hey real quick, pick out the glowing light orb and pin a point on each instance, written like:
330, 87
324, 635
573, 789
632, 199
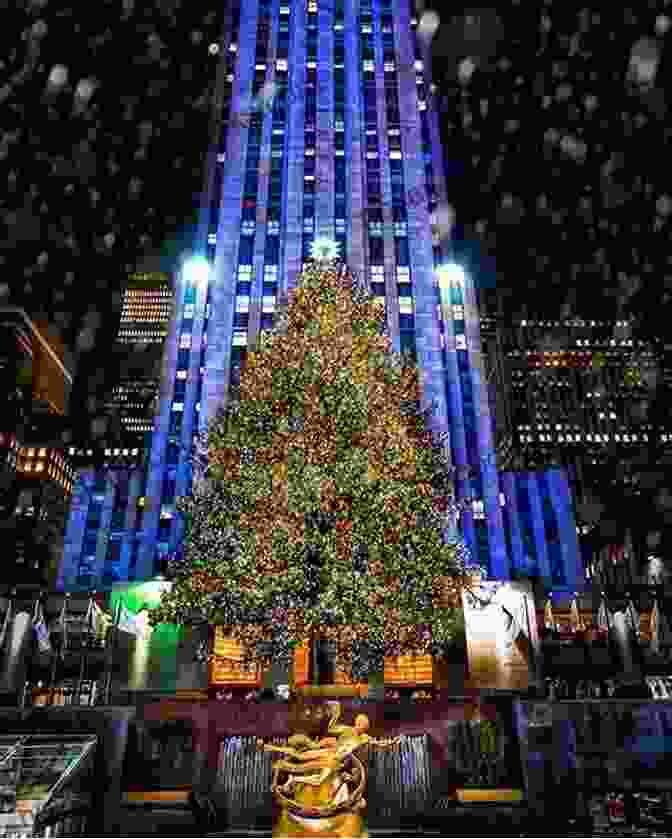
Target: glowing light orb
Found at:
324, 249
450, 274
197, 270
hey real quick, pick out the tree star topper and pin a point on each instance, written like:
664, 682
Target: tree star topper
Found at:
324, 249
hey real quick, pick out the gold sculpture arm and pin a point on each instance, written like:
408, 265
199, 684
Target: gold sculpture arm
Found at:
385, 744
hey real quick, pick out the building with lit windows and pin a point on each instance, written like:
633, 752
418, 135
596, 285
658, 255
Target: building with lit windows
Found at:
36, 475
147, 308
324, 128
577, 392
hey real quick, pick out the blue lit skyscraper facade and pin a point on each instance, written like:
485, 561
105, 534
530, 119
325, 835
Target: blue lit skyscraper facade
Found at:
324, 127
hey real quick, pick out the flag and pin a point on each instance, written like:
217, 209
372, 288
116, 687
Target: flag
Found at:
603, 616
660, 628
88, 633
6, 624
41, 629
632, 618
62, 626
575, 620
101, 622
549, 618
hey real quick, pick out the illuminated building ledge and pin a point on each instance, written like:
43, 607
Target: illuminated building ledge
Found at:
226, 671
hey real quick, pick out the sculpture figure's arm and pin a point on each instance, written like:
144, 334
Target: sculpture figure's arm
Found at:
385, 744
287, 750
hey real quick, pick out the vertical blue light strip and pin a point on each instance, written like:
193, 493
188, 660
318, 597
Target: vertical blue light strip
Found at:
74, 533
510, 490
561, 500
499, 563
529, 482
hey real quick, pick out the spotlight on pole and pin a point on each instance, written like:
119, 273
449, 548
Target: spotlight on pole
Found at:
197, 270
450, 275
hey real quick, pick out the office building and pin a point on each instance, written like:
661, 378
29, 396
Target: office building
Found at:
324, 128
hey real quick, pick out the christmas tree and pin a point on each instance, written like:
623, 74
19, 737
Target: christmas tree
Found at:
322, 510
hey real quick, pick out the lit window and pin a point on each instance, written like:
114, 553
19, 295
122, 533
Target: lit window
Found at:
419, 65
340, 225
212, 238
340, 153
189, 310
245, 273
375, 228
368, 66
239, 339
458, 311
268, 304
312, 7
233, 48
394, 132
276, 153
284, 10
243, 303
461, 342
177, 406
405, 305
403, 274
270, 273
309, 152
311, 65
260, 67
389, 66
395, 155
308, 225
31, 452
400, 228
248, 228
367, 28
422, 105
181, 374
221, 157
281, 64
372, 155
338, 27
185, 341
39, 467
339, 125
377, 273
273, 228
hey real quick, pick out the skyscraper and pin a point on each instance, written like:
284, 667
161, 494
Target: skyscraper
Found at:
324, 128
36, 476
147, 308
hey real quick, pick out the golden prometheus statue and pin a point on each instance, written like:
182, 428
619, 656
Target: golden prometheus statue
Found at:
320, 785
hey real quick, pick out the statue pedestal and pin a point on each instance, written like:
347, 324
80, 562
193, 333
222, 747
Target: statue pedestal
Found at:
333, 691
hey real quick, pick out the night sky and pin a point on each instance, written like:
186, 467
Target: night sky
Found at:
556, 136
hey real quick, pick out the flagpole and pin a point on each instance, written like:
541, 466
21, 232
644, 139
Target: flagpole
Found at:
85, 652
54, 663
110, 658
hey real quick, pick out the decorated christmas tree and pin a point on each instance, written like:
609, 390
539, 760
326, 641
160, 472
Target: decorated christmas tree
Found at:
322, 510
